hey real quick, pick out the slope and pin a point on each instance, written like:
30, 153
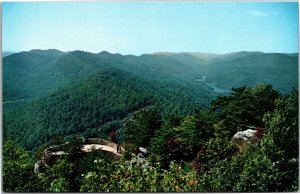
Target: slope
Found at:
37, 73
243, 68
94, 106
279, 70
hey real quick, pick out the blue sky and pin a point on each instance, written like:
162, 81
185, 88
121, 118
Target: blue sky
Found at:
147, 27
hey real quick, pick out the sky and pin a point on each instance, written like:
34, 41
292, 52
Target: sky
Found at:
147, 27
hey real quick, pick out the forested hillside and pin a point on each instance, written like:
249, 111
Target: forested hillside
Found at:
95, 106
209, 122
243, 68
187, 153
37, 73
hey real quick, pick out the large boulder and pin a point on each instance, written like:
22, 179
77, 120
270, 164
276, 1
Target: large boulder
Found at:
247, 135
244, 139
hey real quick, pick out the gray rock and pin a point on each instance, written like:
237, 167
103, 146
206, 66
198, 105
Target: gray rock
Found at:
246, 135
36, 167
140, 156
143, 150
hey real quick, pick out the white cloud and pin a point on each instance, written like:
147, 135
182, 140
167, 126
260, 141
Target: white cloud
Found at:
257, 13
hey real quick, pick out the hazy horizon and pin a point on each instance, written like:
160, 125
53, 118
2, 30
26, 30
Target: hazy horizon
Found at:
158, 52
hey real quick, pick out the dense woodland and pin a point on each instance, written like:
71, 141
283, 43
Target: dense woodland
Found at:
149, 101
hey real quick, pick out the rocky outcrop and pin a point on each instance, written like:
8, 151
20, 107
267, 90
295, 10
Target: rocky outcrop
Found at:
246, 135
244, 139
252, 135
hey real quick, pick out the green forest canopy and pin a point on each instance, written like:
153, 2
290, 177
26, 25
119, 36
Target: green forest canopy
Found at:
160, 102
188, 153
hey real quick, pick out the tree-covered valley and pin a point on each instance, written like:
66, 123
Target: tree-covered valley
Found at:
192, 112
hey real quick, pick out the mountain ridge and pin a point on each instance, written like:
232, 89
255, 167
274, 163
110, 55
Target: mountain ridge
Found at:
154, 53
47, 70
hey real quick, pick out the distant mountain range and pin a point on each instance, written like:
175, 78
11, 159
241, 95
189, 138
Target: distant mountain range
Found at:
48, 92
37, 72
244, 68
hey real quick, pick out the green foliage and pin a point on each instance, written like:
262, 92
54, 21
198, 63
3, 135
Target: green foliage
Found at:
59, 185
18, 175
177, 180
148, 101
281, 143
245, 106
140, 127
138, 177
249, 172
24, 74
37, 73
73, 146
129, 149
58, 178
282, 125
251, 68
214, 150
183, 141
222, 175
109, 97
258, 174
271, 166
66, 174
